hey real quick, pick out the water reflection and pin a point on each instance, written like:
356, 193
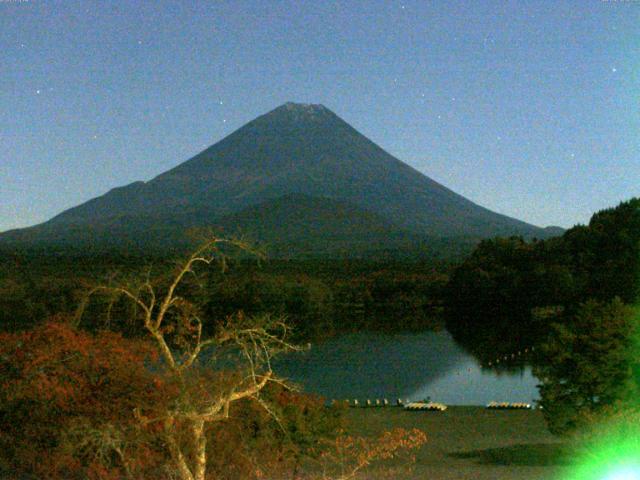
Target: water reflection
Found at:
370, 365
467, 384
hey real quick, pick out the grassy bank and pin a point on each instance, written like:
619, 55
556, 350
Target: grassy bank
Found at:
472, 442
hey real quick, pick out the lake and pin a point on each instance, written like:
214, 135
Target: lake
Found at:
408, 366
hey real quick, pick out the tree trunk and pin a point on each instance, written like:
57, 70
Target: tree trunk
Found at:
177, 456
200, 444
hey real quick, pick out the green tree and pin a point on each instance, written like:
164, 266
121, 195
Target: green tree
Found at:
615, 260
587, 364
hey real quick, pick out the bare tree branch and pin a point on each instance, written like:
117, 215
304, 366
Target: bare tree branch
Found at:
256, 339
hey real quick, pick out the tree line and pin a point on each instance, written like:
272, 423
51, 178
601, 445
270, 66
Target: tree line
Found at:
319, 297
573, 297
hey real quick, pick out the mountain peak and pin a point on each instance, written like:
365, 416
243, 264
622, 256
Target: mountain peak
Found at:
302, 110
304, 107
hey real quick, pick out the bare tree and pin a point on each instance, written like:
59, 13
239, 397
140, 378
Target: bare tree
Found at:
209, 371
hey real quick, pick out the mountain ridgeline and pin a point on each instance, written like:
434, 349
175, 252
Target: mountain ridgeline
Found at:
299, 179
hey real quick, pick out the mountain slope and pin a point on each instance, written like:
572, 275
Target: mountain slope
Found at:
296, 224
295, 149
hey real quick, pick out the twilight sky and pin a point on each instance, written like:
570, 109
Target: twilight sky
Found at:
529, 108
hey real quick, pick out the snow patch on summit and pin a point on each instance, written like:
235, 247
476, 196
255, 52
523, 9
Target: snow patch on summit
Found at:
309, 109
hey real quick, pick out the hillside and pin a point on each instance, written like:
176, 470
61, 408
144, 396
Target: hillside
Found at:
298, 177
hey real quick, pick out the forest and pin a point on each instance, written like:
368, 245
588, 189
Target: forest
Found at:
319, 297
87, 340
574, 297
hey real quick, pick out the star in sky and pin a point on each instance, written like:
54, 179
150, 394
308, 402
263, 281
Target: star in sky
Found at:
486, 40
435, 52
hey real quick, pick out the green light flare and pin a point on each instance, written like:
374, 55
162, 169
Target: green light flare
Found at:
613, 458
624, 473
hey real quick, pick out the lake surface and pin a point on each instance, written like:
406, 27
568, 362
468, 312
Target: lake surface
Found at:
407, 366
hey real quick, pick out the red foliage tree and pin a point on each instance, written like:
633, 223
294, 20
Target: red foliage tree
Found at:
67, 402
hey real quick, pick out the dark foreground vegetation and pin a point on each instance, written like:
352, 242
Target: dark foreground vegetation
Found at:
104, 372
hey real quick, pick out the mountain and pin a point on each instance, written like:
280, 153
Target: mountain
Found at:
298, 175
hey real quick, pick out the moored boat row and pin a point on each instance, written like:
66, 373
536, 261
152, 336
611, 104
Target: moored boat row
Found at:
508, 406
425, 406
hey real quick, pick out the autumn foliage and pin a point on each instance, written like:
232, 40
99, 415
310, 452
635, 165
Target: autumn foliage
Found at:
81, 405
67, 400
186, 397
346, 457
